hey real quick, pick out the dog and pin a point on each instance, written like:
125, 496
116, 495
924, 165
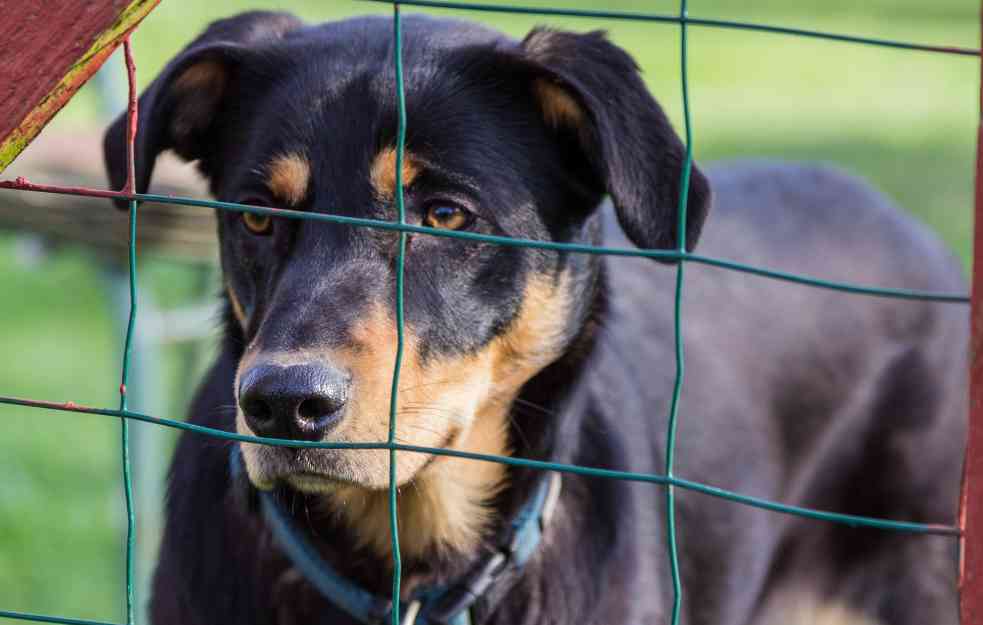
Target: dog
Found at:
808, 396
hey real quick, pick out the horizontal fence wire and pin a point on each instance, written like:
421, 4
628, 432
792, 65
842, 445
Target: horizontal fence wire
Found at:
668, 480
46, 618
527, 463
22, 184
683, 19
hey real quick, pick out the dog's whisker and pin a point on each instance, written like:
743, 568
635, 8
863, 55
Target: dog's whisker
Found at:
542, 409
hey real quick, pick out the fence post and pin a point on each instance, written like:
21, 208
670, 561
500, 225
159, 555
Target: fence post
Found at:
971, 503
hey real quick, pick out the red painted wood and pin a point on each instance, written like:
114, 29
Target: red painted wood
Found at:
42, 40
50, 49
971, 504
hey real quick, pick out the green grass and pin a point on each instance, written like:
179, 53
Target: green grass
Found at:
905, 120
59, 509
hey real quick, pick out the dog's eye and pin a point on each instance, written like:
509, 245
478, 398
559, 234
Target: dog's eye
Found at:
257, 224
447, 216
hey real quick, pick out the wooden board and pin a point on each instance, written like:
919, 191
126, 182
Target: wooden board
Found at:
50, 49
178, 232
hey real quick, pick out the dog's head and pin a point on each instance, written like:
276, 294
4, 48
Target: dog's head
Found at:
521, 139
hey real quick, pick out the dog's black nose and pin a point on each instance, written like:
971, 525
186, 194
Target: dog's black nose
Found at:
300, 402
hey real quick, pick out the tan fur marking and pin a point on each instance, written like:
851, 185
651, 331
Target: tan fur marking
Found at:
288, 176
559, 107
237, 309
460, 402
533, 340
444, 505
382, 172
208, 75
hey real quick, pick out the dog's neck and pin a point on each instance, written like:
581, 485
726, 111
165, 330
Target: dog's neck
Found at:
446, 510
449, 517
456, 514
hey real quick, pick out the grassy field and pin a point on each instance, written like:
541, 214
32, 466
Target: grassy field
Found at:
905, 120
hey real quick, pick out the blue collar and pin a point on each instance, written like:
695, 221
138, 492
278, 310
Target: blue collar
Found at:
453, 604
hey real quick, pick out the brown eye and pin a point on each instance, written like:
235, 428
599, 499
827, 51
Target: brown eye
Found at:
258, 224
447, 217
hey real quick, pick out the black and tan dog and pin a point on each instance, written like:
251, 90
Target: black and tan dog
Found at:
811, 397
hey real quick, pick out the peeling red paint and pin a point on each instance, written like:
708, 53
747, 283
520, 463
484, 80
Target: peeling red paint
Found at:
23, 184
52, 405
132, 115
51, 48
43, 39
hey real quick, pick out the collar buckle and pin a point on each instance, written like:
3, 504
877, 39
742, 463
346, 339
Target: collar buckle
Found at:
412, 611
459, 599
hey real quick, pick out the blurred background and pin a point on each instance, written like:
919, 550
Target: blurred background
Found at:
905, 120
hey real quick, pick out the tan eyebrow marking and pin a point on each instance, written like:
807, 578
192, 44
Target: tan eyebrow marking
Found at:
382, 172
288, 176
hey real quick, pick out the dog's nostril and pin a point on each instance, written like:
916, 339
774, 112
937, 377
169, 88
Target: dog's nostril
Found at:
257, 409
315, 408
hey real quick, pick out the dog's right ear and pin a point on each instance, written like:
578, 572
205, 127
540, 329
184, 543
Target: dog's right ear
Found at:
179, 109
592, 89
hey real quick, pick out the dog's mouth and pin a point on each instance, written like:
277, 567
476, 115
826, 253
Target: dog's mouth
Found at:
323, 471
315, 482
305, 470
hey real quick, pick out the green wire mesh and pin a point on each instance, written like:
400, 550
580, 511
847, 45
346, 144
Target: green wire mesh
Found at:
668, 479
400, 270
131, 131
677, 386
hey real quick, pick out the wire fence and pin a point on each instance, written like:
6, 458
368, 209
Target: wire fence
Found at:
668, 479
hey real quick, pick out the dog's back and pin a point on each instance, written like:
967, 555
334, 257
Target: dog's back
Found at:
809, 396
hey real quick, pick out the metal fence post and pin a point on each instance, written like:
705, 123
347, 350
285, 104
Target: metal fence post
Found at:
971, 503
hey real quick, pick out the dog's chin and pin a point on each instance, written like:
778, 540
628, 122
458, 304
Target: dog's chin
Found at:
305, 470
321, 470
314, 483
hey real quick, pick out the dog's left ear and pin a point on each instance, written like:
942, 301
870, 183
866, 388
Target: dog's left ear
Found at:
587, 85
179, 110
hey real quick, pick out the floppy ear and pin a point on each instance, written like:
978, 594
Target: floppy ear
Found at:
179, 109
589, 86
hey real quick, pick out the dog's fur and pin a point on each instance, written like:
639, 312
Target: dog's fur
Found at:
808, 396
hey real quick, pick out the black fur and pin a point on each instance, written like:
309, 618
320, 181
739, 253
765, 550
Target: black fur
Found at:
807, 396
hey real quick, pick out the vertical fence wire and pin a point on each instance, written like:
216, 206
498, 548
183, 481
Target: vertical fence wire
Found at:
972, 579
677, 387
131, 132
400, 271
